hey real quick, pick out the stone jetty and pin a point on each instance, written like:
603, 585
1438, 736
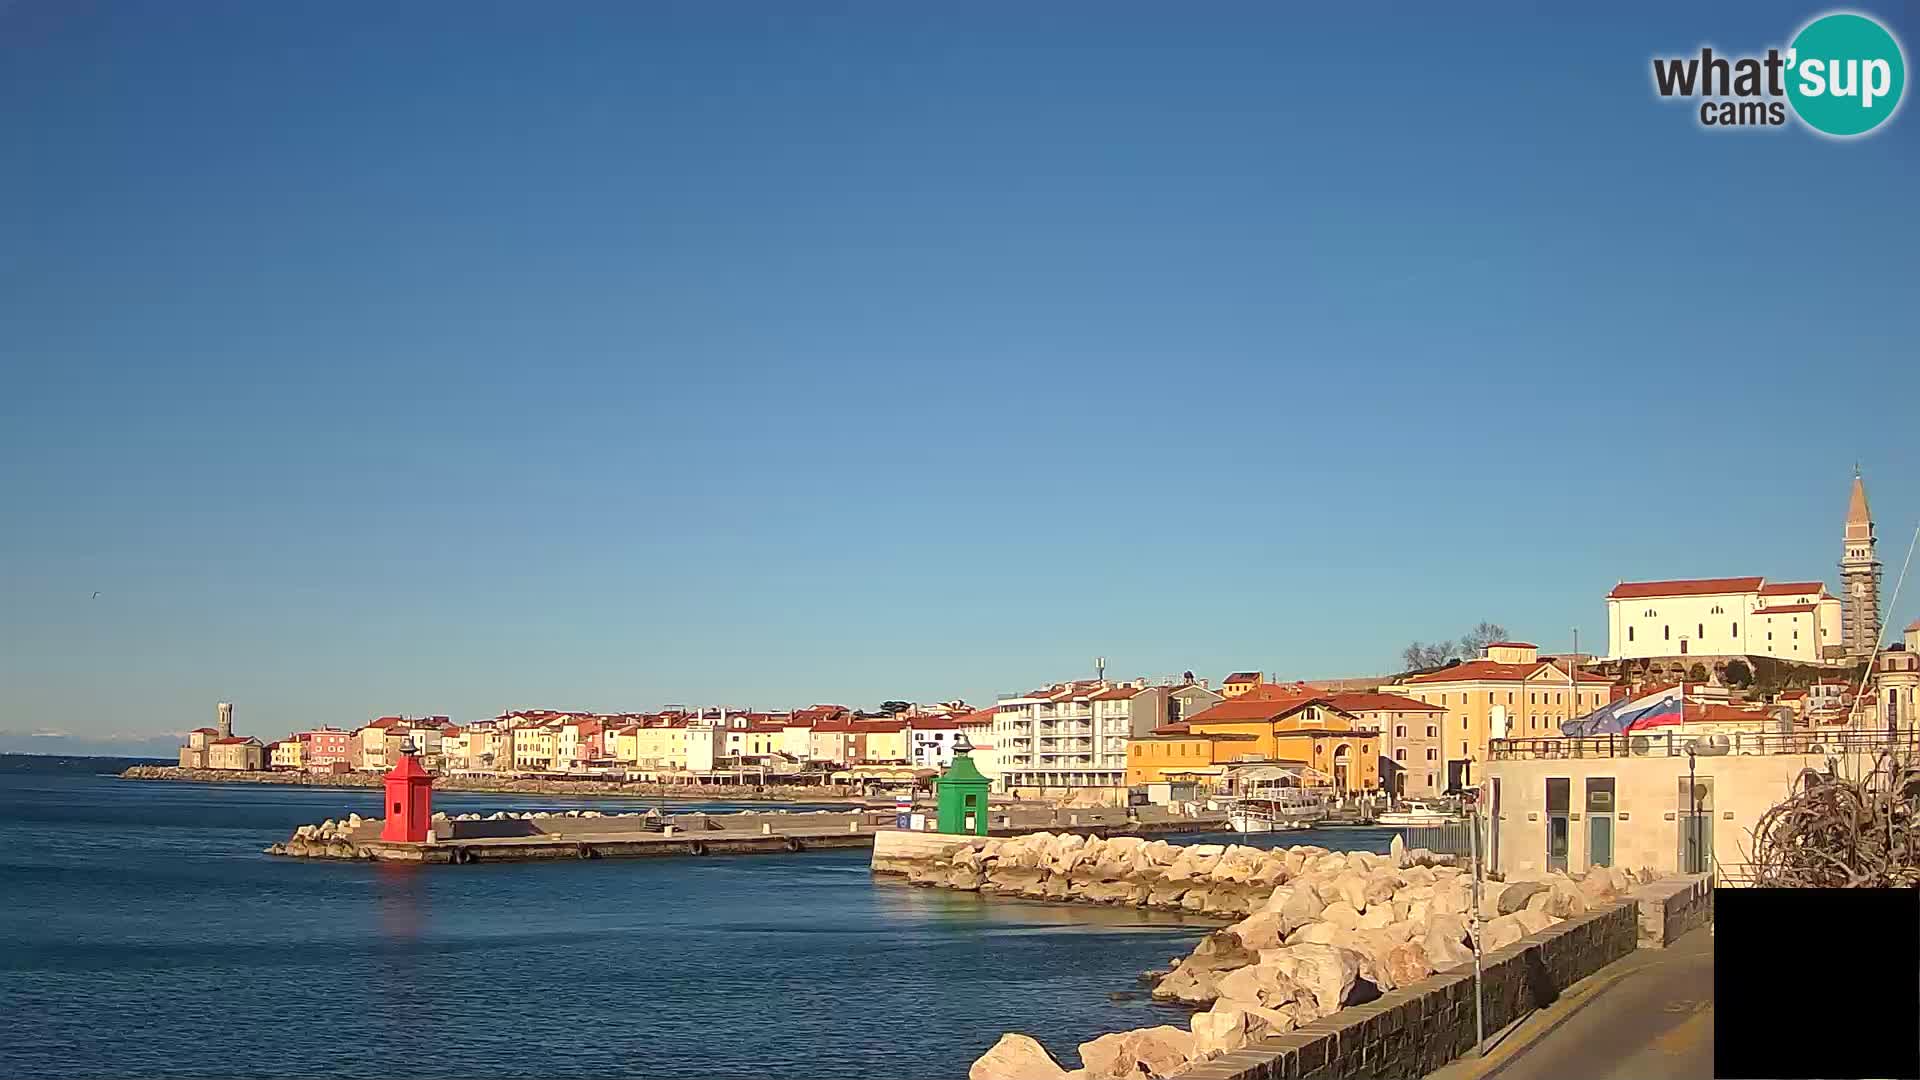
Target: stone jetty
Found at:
1315, 930
504, 785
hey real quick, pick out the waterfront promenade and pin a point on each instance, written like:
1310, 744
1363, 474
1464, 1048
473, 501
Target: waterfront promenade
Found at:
1646, 1017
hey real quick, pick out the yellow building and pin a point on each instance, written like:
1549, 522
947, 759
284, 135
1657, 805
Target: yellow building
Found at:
1241, 682
1335, 749
1508, 693
288, 754
533, 748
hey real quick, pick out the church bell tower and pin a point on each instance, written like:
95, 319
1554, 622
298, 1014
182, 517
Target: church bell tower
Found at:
1860, 577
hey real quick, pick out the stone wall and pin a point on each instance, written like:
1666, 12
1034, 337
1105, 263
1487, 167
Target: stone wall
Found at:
1672, 906
1416, 1029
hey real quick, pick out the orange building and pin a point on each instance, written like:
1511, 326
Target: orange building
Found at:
1304, 729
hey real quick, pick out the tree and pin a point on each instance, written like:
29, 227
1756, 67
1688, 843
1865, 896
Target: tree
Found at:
895, 708
1476, 640
1419, 656
1739, 674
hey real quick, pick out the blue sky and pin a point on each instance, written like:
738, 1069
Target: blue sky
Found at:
448, 357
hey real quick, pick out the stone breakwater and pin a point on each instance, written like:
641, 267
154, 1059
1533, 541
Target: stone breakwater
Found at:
503, 785
1317, 931
356, 837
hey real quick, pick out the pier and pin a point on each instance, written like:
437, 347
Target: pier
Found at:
589, 834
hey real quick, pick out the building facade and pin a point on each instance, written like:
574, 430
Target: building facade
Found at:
1325, 744
1411, 764
1797, 621
1509, 691
1074, 735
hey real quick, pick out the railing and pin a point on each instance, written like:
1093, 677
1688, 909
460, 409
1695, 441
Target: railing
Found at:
1817, 743
1447, 838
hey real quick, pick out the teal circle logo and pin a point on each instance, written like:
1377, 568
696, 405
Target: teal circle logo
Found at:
1845, 73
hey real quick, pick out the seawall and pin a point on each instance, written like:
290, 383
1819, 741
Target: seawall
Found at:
503, 785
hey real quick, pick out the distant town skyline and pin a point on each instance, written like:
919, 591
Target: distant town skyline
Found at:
623, 356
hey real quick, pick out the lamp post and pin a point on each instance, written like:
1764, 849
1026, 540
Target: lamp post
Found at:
1693, 816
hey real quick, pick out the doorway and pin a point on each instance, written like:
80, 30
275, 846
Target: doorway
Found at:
1559, 806
1600, 793
1695, 819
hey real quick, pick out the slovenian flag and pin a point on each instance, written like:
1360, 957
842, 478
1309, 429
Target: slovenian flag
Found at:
1657, 709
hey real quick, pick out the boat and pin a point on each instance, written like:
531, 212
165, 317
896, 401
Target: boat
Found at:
1416, 813
1265, 808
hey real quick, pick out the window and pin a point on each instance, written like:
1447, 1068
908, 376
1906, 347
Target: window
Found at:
1666, 633
1629, 633
1400, 731
1489, 697
1734, 631
1463, 748
1433, 731
1463, 723
1400, 754
1432, 755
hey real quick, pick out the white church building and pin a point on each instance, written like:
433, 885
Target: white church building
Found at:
1749, 616
1795, 621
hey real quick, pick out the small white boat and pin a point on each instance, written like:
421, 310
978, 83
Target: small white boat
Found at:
1273, 808
1416, 813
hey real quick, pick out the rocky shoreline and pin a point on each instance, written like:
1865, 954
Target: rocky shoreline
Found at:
1318, 931
837, 796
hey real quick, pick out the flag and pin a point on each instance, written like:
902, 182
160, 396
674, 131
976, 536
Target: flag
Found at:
1663, 706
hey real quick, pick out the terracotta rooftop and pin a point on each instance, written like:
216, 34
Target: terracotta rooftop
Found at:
1368, 702
1244, 676
1118, 693
235, 740
1786, 609
1792, 588
1485, 671
1629, 590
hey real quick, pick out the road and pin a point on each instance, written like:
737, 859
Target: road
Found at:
1646, 1017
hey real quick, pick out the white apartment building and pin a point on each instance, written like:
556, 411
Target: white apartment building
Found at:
1073, 734
1748, 616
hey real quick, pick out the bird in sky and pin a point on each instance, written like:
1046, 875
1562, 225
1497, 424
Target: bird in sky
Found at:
96, 594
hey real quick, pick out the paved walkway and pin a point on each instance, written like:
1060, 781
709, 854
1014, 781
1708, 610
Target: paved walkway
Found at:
1646, 1017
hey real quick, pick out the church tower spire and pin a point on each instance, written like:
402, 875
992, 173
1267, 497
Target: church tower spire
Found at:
1860, 576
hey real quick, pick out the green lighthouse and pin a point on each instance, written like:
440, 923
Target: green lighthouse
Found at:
961, 794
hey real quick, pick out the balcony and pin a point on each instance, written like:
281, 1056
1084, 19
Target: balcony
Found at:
1068, 728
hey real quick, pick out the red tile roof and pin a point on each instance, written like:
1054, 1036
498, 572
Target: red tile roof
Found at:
1280, 692
1118, 693
935, 723
1912, 626
206, 731
234, 740
1244, 676
1375, 702
1511, 645
1785, 609
1628, 590
1791, 588
1492, 671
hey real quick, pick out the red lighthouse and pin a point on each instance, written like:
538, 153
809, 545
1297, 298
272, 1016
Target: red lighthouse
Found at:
409, 799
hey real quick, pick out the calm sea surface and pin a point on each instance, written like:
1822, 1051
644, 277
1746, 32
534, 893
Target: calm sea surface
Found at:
144, 934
